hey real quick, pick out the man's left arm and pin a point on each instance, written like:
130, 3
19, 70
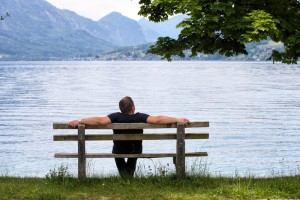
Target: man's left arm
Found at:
166, 120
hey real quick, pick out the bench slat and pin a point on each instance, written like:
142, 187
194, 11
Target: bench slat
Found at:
59, 125
143, 155
166, 136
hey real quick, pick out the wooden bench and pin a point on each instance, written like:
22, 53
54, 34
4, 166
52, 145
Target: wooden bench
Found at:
178, 157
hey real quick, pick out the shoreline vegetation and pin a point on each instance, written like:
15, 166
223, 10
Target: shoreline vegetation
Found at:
59, 184
154, 187
256, 52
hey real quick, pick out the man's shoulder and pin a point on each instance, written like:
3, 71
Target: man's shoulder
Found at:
141, 117
113, 115
119, 117
139, 113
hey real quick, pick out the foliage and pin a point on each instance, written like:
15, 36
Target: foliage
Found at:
6, 15
256, 52
225, 27
59, 175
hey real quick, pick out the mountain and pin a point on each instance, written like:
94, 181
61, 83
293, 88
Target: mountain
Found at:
37, 30
154, 30
122, 30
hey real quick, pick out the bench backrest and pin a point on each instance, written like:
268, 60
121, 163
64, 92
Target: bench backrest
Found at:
58, 125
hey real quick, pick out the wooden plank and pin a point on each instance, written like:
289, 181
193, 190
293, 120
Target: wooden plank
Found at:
180, 151
143, 155
146, 136
197, 124
81, 152
60, 125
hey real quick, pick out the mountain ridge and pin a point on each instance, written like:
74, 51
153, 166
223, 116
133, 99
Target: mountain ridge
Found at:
37, 30
125, 32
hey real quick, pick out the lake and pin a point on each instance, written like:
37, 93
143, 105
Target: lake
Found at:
253, 109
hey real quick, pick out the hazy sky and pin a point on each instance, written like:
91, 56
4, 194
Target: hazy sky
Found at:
95, 9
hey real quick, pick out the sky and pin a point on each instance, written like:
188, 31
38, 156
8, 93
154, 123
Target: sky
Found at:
96, 9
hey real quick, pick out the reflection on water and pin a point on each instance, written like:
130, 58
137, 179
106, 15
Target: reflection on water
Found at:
253, 109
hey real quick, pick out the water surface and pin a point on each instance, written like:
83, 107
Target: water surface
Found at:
253, 109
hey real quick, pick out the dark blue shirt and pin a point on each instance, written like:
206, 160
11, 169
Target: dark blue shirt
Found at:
130, 146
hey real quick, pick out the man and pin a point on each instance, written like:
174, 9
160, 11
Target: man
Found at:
127, 115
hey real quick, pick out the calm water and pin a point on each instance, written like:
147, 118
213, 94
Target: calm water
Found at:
253, 109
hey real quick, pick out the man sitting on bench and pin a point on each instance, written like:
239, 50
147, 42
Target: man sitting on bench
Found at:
127, 115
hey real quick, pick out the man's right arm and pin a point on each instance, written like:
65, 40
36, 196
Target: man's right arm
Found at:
166, 120
91, 121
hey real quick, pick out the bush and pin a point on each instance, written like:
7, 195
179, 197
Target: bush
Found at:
59, 175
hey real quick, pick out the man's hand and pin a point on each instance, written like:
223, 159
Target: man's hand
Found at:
183, 120
74, 123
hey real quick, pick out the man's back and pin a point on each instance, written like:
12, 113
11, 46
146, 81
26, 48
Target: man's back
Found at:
127, 147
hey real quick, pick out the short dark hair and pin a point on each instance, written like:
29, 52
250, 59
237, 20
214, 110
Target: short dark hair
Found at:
126, 104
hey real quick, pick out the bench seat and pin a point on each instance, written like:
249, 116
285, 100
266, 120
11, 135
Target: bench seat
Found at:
142, 155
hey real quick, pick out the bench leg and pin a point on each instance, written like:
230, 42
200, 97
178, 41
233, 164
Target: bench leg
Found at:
81, 152
180, 151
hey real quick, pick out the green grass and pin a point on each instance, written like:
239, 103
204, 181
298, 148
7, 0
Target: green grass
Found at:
62, 186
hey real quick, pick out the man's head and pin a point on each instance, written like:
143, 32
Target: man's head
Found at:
126, 105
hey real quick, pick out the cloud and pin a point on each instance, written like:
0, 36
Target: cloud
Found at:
96, 9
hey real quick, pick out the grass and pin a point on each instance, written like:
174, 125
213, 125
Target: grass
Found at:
58, 184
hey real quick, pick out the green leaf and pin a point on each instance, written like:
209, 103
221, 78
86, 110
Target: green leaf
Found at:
226, 26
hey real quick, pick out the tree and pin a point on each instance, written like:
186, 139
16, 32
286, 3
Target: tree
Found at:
225, 26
